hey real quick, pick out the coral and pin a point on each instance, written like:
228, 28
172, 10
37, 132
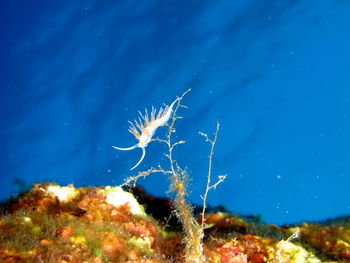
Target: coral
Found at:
332, 240
285, 251
38, 226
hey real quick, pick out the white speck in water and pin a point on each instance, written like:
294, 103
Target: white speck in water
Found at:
278, 176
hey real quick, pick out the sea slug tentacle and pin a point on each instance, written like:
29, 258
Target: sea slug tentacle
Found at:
126, 149
142, 156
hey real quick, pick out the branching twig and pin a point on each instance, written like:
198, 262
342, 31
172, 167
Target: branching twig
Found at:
159, 140
221, 178
172, 130
143, 174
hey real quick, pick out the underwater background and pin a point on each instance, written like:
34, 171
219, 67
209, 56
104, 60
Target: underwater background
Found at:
275, 74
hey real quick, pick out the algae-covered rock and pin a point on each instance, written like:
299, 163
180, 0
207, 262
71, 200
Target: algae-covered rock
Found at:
52, 223
285, 251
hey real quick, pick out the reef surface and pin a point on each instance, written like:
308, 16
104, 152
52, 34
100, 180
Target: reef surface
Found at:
52, 223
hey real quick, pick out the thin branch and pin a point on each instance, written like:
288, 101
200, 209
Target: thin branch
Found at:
143, 174
177, 143
172, 130
221, 178
159, 140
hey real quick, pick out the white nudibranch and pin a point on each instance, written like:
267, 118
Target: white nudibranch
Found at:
145, 128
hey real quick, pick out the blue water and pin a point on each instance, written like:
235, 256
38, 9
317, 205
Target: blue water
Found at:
275, 74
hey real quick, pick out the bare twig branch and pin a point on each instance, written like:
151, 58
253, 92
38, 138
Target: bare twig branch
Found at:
221, 178
144, 174
177, 143
159, 140
172, 130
